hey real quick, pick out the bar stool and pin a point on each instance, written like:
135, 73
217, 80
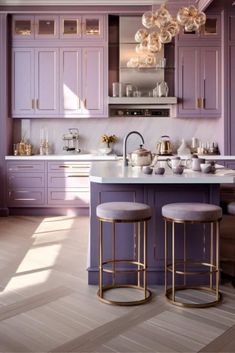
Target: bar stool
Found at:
124, 212
192, 213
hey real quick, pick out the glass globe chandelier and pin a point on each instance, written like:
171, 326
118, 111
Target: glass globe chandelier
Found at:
160, 28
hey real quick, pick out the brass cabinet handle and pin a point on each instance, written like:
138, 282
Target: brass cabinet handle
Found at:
84, 103
33, 104
198, 102
78, 176
24, 167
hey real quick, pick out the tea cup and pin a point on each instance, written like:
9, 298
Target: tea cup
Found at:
178, 170
159, 170
147, 170
173, 162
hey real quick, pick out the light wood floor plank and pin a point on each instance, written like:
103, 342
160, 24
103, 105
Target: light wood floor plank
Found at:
222, 344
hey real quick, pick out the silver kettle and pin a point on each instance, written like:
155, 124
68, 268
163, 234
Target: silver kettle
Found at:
140, 157
164, 146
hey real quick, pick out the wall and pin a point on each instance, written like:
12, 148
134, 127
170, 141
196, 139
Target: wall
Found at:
90, 131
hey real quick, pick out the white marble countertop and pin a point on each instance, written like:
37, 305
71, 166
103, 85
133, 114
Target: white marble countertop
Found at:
109, 157
65, 157
116, 173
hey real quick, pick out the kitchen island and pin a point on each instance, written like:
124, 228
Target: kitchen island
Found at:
111, 181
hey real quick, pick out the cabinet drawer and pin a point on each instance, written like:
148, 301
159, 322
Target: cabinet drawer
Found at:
26, 197
25, 166
29, 180
72, 180
69, 197
64, 167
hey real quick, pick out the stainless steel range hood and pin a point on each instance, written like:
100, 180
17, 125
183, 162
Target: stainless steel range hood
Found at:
144, 79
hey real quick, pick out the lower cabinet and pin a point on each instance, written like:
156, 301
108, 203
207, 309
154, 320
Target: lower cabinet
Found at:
48, 184
68, 184
25, 184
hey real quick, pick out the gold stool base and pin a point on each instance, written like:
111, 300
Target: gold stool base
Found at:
124, 303
193, 305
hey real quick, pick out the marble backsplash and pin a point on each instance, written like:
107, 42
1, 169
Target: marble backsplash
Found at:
90, 131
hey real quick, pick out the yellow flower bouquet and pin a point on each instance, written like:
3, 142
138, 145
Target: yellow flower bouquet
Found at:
108, 139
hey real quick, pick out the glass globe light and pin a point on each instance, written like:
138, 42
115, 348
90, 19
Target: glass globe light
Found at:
173, 28
153, 36
163, 16
140, 35
165, 36
200, 19
142, 47
193, 11
154, 46
182, 16
150, 60
148, 19
191, 26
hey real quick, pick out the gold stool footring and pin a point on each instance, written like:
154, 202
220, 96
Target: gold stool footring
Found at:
133, 302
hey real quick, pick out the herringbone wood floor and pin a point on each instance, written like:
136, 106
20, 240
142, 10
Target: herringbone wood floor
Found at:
47, 306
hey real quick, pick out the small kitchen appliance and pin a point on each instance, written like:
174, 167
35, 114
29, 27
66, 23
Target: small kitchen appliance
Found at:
71, 140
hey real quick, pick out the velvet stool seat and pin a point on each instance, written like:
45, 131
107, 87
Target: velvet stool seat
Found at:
124, 212
181, 269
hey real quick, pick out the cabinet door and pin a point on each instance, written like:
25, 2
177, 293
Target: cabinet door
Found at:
23, 27
71, 82
47, 81
23, 82
93, 81
93, 27
70, 27
188, 81
46, 27
210, 89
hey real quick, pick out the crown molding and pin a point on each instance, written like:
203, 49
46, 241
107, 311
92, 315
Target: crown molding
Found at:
91, 2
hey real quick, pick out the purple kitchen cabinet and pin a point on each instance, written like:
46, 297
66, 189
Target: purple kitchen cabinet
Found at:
35, 91
68, 184
71, 81
93, 81
25, 184
74, 197
211, 31
93, 27
23, 89
155, 196
82, 82
199, 81
47, 81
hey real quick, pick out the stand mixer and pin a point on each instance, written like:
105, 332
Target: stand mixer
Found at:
71, 141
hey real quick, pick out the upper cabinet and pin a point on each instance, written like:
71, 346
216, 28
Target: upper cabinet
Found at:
84, 27
87, 27
82, 81
59, 66
199, 81
35, 27
210, 31
35, 75
198, 70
